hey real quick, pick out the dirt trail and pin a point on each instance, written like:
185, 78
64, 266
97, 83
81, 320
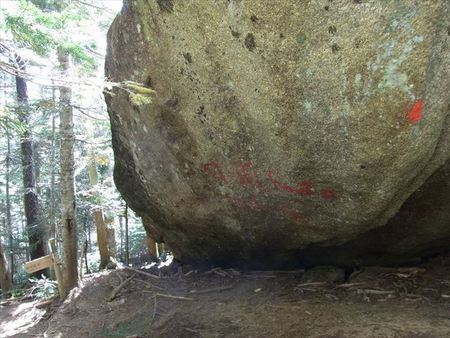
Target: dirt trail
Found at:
375, 302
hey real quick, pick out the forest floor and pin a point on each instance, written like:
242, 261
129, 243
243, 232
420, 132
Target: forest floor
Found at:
178, 302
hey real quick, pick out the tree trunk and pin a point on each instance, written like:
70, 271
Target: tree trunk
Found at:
35, 230
8, 206
83, 255
52, 207
5, 277
68, 221
52, 204
111, 236
37, 168
127, 252
87, 240
101, 238
88, 232
152, 248
121, 238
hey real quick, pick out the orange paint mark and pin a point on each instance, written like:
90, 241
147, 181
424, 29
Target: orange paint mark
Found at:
415, 114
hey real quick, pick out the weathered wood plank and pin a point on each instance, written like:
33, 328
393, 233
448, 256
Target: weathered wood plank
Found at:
39, 264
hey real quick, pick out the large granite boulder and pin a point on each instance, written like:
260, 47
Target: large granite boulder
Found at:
284, 132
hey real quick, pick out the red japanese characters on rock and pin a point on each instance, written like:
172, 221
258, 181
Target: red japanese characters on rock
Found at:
247, 176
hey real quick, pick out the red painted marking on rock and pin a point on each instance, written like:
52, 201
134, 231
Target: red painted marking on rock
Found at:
214, 170
248, 175
292, 214
276, 184
415, 114
328, 193
304, 188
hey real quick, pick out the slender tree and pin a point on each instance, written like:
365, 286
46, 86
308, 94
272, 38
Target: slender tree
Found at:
47, 29
52, 199
52, 214
152, 248
121, 237
31, 200
8, 202
111, 236
68, 221
102, 239
127, 251
87, 243
37, 167
5, 276
99, 219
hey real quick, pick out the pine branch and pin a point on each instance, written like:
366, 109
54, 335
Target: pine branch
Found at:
96, 7
83, 111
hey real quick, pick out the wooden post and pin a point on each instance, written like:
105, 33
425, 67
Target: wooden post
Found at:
59, 278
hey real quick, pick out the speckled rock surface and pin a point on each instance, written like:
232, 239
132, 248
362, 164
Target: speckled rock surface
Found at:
283, 129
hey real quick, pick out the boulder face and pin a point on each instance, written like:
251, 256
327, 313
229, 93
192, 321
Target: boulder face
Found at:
283, 133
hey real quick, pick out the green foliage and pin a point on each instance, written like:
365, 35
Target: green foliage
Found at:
140, 100
16, 293
94, 262
9, 122
16, 118
139, 94
49, 5
137, 238
42, 288
41, 27
46, 25
78, 54
25, 33
138, 88
21, 277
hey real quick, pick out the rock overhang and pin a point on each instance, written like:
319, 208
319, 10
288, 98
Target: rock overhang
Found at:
279, 129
